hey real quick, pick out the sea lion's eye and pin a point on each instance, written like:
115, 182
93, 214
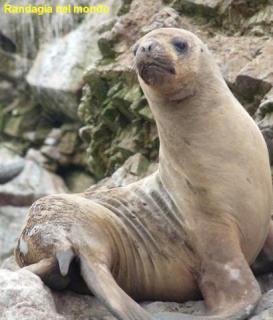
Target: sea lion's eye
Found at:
135, 47
180, 46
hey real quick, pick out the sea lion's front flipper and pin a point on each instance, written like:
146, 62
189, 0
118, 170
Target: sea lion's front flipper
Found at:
102, 284
225, 279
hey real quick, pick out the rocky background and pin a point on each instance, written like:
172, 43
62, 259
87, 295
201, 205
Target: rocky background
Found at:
72, 113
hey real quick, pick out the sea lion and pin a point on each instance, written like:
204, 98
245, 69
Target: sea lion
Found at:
192, 227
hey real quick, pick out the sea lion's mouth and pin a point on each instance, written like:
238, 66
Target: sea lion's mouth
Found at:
151, 72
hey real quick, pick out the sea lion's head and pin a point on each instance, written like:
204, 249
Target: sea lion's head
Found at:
168, 62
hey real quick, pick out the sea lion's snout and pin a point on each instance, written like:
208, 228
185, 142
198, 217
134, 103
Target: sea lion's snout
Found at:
152, 61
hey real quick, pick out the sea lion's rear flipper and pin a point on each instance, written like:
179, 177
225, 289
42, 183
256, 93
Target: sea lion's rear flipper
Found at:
102, 284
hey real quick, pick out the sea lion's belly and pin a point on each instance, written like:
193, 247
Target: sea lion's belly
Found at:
154, 260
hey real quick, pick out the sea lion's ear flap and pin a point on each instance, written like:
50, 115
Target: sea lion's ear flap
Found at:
64, 258
42, 267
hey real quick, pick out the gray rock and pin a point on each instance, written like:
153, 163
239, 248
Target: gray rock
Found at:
261, 22
7, 92
11, 165
134, 168
256, 78
57, 73
233, 53
23, 296
204, 7
27, 32
42, 160
264, 311
78, 180
263, 115
12, 66
11, 221
31, 184
10, 264
264, 119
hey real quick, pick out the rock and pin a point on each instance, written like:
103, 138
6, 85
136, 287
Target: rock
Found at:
11, 165
56, 77
78, 180
10, 264
190, 307
264, 311
25, 184
26, 33
256, 78
79, 307
41, 160
266, 282
63, 147
12, 66
119, 129
23, 296
7, 92
203, 7
265, 315
234, 16
232, 53
264, 119
261, 22
263, 115
23, 118
134, 168
31, 184
11, 221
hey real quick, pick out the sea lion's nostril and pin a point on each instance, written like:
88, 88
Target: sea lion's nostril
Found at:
148, 46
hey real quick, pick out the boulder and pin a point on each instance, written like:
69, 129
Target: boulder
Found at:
11, 165
233, 53
264, 310
56, 77
134, 168
26, 33
203, 7
31, 184
23, 296
12, 66
256, 78
11, 221
78, 180
264, 118
261, 23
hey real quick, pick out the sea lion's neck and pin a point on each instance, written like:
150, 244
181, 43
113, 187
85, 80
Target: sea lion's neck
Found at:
190, 131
